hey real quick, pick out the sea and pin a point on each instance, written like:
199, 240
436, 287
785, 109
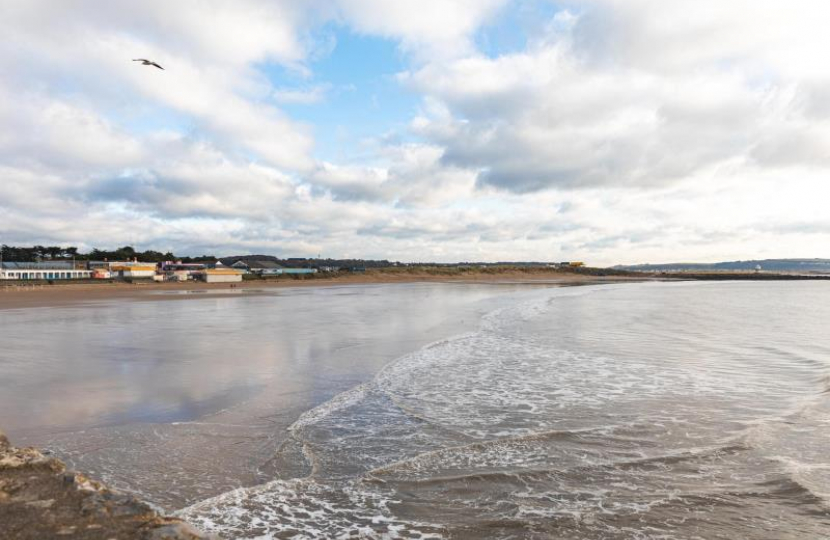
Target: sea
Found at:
662, 410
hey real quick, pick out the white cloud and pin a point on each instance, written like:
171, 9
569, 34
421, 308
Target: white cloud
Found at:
85, 48
41, 131
565, 114
428, 29
412, 176
304, 96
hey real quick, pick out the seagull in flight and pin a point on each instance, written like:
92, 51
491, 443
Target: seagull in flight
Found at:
145, 62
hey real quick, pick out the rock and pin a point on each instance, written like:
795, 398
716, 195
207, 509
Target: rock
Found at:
45, 503
40, 499
28, 458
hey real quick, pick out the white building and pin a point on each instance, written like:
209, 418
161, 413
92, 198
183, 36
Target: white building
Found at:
27, 271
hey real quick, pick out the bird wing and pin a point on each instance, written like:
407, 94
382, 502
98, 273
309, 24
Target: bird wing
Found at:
158, 66
140, 60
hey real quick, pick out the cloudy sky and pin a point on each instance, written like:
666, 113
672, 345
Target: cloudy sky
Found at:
610, 131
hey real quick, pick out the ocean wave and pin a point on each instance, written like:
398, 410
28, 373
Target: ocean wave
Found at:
340, 401
522, 435
305, 509
489, 322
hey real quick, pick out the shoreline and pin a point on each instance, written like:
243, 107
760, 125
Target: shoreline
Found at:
21, 296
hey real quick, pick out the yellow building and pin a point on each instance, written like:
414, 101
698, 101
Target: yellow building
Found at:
134, 271
220, 275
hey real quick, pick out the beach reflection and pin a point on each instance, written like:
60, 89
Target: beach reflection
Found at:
130, 389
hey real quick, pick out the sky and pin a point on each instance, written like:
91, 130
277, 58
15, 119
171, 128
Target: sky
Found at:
606, 131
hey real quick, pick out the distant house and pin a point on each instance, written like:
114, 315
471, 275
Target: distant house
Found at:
262, 268
178, 275
178, 271
242, 266
265, 268
169, 266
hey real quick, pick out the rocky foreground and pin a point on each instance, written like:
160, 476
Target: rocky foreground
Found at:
40, 499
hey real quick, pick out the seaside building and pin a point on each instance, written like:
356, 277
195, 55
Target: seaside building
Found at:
242, 266
105, 264
268, 268
178, 275
51, 270
265, 268
101, 273
134, 271
220, 275
298, 271
122, 269
261, 268
178, 271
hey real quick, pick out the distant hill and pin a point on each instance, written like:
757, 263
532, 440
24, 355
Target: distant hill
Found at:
801, 266
308, 263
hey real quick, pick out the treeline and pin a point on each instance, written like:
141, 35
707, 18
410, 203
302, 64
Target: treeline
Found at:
38, 253
128, 253
57, 253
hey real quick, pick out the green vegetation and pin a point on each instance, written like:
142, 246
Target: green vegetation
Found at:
55, 253
493, 269
126, 253
38, 253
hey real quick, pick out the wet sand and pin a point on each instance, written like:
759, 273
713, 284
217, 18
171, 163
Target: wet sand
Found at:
202, 391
